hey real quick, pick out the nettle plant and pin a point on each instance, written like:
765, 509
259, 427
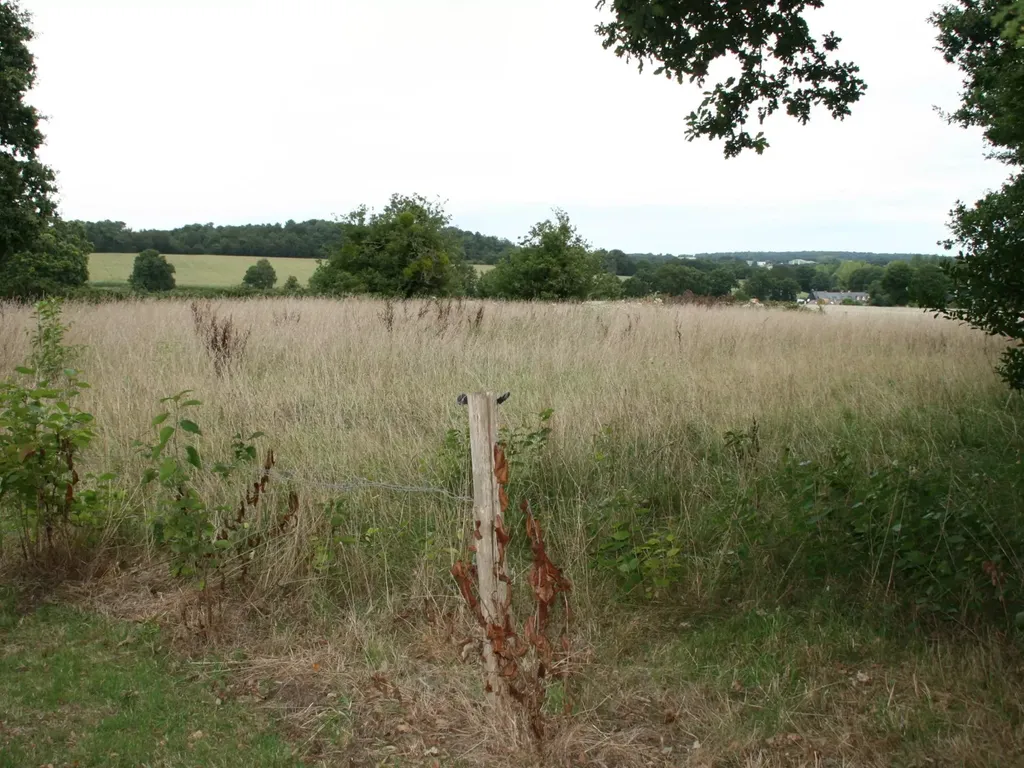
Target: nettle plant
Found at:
203, 537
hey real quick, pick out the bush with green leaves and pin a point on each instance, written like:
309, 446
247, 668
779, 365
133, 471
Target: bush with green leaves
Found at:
940, 546
408, 249
152, 272
56, 265
553, 262
260, 275
204, 535
641, 553
48, 507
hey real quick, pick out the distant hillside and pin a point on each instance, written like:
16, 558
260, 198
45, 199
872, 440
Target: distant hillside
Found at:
306, 239
317, 237
782, 257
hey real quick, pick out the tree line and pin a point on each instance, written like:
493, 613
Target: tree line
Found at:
312, 239
409, 249
315, 238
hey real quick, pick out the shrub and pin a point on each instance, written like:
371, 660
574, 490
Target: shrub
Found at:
59, 264
152, 272
43, 501
261, 275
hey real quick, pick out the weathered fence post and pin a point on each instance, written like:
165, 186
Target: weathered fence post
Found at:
483, 436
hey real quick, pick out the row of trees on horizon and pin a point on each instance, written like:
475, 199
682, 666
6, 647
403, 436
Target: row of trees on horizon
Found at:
409, 249
316, 238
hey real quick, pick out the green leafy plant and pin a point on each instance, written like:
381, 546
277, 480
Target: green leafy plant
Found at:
204, 536
43, 500
50, 356
643, 556
931, 545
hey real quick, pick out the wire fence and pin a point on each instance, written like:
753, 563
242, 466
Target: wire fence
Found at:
360, 483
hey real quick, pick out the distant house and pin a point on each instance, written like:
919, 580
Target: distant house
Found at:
800, 263
837, 297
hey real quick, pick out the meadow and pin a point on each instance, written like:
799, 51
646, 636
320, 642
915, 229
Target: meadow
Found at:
204, 271
701, 476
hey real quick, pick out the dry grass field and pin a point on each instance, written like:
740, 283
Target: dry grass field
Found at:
739, 661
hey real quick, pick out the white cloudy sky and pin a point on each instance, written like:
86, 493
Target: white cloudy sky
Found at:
166, 112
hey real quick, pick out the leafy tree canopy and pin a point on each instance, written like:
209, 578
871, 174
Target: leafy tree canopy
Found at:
58, 262
552, 262
405, 250
983, 38
152, 272
260, 275
780, 63
38, 254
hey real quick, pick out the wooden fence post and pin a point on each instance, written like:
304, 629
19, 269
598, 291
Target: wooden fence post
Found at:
483, 436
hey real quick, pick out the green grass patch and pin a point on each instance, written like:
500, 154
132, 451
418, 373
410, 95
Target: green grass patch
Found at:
80, 690
821, 683
198, 270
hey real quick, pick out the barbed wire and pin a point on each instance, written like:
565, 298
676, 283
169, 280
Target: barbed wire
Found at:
358, 483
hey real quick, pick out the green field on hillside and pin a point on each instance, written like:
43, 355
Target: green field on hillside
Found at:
198, 270
205, 270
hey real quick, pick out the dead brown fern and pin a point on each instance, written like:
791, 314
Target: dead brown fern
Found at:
528, 660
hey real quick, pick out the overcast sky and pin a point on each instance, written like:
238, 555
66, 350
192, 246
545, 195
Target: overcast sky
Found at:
167, 112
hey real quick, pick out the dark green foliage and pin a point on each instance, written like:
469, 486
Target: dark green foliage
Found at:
944, 547
619, 263
261, 275
39, 255
676, 278
291, 285
878, 295
551, 263
679, 277
988, 276
993, 70
50, 510
929, 287
482, 249
863, 277
152, 272
307, 239
896, 282
313, 239
405, 250
782, 65
765, 285
26, 185
201, 536
982, 37
57, 264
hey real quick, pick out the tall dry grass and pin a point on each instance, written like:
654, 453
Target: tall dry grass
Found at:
642, 396
368, 388
339, 393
